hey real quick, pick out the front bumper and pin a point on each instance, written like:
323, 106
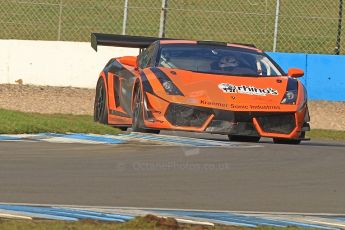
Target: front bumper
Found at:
172, 116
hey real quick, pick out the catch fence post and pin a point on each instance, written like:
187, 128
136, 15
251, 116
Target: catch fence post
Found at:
60, 20
162, 22
340, 22
125, 15
276, 26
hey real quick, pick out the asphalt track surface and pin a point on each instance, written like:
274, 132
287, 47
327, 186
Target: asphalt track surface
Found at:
281, 178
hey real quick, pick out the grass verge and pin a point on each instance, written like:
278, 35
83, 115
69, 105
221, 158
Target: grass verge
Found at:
144, 223
327, 134
14, 122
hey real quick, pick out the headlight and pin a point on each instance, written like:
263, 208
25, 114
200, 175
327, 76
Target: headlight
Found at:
290, 97
170, 88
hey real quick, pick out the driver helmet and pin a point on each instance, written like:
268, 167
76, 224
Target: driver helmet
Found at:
228, 61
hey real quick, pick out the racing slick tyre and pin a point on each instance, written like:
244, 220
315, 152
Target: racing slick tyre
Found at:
241, 138
100, 109
137, 118
288, 141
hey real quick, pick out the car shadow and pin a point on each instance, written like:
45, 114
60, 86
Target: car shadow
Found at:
223, 138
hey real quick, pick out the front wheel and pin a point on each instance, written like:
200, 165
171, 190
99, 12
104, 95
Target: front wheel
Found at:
241, 138
138, 116
288, 141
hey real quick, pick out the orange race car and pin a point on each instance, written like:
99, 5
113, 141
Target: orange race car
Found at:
201, 86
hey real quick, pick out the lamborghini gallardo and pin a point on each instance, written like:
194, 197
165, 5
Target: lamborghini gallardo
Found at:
201, 86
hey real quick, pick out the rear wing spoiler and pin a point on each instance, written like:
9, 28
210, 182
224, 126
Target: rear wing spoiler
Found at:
141, 42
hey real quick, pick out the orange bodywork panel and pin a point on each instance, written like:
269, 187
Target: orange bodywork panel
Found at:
119, 120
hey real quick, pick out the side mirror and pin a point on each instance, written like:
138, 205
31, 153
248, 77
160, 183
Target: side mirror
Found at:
129, 60
295, 72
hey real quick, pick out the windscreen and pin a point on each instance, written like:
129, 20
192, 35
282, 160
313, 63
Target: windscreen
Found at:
217, 60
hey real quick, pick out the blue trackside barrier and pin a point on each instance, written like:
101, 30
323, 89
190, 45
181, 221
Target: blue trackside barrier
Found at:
324, 74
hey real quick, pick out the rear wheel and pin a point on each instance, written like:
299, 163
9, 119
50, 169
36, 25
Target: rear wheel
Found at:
100, 111
288, 141
241, 138
137, 118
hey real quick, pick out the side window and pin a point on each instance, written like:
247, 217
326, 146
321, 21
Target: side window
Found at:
142, 58
145, 57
